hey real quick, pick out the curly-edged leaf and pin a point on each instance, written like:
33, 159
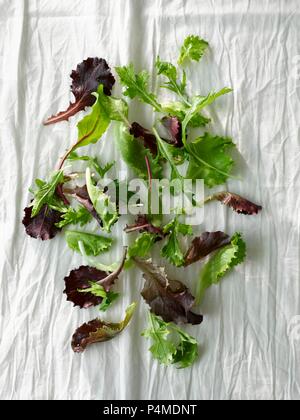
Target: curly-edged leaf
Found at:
148, 138
220, 263
105, 208
142, 245
97, 331
46, 193
82, 196
105, 109
88, 75
74, 217
170, 344
137, 85
237, 203
179, 110
87, 286
193, 48
172, 250
93, 163
173, 127
142, 224
133, 154
93, 244
198, 103
167, 298
203, 245
209, 159
43, 225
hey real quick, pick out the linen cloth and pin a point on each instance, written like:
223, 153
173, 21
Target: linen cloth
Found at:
250, 337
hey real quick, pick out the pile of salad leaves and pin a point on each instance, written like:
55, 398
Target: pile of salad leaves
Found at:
73, 202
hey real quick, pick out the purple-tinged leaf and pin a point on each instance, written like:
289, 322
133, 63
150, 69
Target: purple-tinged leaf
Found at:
42, 226
205, 244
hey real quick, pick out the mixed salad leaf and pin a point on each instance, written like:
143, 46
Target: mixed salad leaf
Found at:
171, 148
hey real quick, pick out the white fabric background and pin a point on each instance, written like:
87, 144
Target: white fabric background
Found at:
250, 339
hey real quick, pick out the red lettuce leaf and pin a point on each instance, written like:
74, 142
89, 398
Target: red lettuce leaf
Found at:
81, 279
237, 203
42, 226
85, 80
148, 138
97, 331
203, 245
169, 299
173, 127
142, 224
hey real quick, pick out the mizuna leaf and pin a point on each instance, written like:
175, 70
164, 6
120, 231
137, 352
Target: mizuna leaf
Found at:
93, 244
86, 286
220, 263
136, 85
148, 138
170, 72
170, 344
237, 203
73, 217
205, 244
193, 48
43, 225
133, 154
97, 331
105, 109
167, 298
85, 80
209, 160
106, 210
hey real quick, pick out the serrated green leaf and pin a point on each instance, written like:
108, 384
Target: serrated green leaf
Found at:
170, 344
172, 250
73, 217
99, 291
93, 244
137, 85
209, 159
219, 265
106, 209
142, 245
170, 72
193, 48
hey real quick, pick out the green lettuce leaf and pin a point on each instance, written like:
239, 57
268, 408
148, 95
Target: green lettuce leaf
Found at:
220, 264
193, 48
209, 160
93, 244
133, 153
137, 85
170, 344
142, 245
106, 210
105, 109
172, 250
